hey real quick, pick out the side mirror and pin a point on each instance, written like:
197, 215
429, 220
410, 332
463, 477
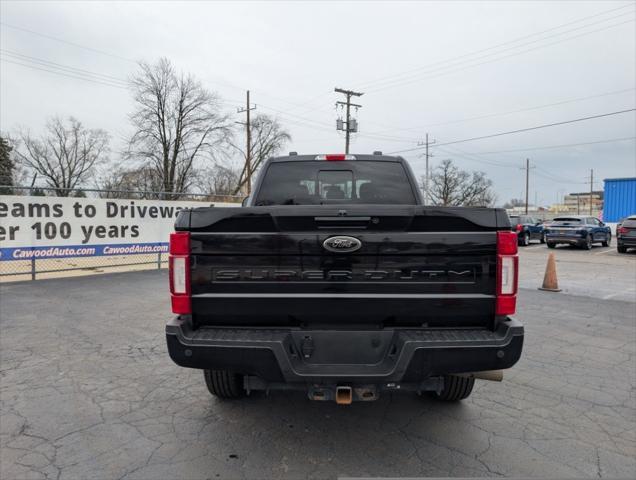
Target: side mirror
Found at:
601, 224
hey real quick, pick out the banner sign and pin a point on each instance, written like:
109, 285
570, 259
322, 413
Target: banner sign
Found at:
58, 227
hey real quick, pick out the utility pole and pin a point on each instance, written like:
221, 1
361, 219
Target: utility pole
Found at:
349, 125
527, 169
248, 151
427, 174
591, 188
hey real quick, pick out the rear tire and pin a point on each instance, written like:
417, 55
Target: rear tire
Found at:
551, 245
456, 388
621, 249
525, 240
587, 244
608, 240
224, 384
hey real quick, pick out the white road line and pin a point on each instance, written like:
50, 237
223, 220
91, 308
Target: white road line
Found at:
622, 292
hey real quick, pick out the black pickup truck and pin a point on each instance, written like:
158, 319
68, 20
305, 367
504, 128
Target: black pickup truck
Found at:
333, 278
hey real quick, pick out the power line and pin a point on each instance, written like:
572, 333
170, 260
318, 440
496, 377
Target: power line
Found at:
381, 135
368, 84
522, 130
328, 127
101, 52
491, 115
80, 74
77, 45
48, 63
295, 105
304, 122
554, 180
76, 73
303, 105
546, 174
547, 147
468, 156
400, 77
542, 172
77, 77
417, 79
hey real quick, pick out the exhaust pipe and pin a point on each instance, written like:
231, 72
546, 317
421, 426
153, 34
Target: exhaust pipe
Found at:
344, 395
491, 375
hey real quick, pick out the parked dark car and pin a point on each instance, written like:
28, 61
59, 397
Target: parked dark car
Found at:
527, 228
577, 230
626, 234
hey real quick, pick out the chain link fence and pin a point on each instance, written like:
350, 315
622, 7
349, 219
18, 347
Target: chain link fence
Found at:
18, 270
86, 260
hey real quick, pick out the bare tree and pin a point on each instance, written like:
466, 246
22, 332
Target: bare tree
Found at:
65, 156
141, 182
514, 202
219, 180
268, 138
451, 186
177, 122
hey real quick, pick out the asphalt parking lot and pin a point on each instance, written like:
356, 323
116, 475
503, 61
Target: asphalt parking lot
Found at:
599, 273
87, 391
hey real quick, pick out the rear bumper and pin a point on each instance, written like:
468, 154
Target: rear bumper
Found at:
626, 242
574, 239
370, 356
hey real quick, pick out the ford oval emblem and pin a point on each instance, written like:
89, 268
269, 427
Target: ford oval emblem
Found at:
342, 244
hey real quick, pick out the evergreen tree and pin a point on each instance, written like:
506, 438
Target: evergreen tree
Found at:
6, 167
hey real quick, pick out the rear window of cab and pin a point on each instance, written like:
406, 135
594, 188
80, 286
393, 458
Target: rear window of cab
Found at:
343, 182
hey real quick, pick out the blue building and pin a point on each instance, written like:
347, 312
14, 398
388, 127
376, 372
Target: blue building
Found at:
620, 198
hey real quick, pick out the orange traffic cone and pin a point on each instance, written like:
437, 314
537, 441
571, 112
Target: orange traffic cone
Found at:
550, 282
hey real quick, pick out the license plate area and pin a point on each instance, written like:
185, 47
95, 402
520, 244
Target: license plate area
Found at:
318, 347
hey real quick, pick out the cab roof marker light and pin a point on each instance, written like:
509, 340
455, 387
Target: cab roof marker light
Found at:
335, 157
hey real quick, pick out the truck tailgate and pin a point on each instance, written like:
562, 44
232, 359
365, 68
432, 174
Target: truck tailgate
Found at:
415, 266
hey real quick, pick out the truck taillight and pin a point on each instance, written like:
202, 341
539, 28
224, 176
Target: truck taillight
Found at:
507, 273
179, 272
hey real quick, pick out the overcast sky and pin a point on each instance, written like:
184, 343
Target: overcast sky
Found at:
456, 70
